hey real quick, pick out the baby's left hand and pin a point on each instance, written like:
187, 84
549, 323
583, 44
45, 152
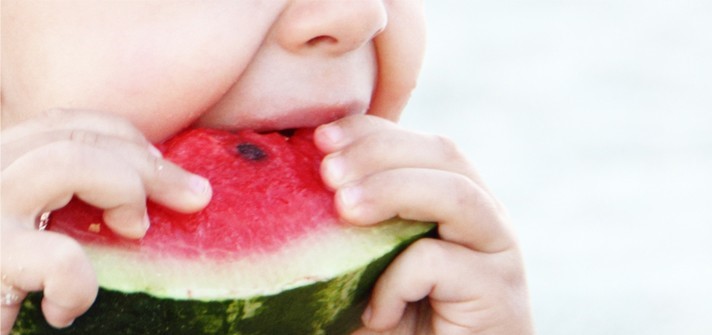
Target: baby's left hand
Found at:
472, 276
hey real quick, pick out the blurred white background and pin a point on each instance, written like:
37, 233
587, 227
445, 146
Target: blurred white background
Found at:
592, 121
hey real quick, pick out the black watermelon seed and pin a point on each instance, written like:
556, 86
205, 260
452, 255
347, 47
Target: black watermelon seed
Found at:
251, 152
287, 132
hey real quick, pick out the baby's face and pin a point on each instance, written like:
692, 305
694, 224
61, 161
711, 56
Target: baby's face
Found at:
263, 64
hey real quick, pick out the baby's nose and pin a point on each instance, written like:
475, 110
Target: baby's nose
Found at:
334, 27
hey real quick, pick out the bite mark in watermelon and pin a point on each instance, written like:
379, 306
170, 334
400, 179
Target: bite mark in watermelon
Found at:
268, 255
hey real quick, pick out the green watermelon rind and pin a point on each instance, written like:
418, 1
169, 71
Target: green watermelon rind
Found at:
325, 307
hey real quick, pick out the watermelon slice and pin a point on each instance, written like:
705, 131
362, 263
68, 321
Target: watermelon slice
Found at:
268, 255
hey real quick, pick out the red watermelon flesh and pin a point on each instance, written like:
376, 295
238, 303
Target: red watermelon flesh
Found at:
267, 190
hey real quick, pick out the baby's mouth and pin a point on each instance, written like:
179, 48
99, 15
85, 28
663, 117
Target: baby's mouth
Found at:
284, 119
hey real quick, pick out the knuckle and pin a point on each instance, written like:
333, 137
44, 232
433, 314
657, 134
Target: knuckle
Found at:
71, 276
377, 142
465, 192
85, 137
67, 155
360, 122
347, 123
67, 256
100, 121
372, 121
447, 147
475, 202
427, 253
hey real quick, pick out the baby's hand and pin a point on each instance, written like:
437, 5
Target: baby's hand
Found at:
99, 158
472, 276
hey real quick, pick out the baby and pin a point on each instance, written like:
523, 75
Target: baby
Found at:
87, 86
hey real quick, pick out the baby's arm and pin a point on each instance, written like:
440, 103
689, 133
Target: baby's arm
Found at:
99, 158
472, 275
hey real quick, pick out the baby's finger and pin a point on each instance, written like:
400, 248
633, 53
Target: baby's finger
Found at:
59, 268
49, 176
337, 135
66, 119
392, 150
12, 150
451, 276
165, 182
413, 276
466, 214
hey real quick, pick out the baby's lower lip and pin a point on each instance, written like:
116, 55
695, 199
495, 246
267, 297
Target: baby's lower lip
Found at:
312, 116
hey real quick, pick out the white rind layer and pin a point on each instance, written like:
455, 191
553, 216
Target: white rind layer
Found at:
318, 256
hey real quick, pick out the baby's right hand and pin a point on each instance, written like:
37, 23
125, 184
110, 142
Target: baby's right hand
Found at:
99, 158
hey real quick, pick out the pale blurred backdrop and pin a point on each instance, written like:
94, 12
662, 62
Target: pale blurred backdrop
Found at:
592, 121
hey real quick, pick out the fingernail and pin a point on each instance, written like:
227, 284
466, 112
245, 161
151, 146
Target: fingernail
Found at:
199, 185
335, 169
154, 151
146, 222
349, 196
332, 133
